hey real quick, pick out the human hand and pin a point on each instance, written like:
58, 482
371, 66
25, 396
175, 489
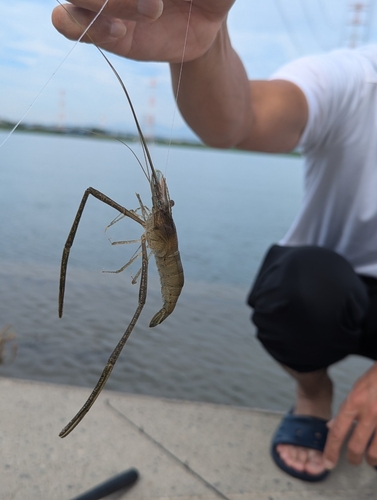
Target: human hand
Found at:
145, 30
359, 407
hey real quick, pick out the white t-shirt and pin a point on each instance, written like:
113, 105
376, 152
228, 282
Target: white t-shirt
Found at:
339, 209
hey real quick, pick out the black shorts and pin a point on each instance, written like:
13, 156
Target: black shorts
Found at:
311, 309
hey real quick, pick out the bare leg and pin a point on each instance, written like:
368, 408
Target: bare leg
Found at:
313, 398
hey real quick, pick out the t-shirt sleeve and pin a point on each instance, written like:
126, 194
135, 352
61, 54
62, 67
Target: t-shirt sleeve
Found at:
331, 84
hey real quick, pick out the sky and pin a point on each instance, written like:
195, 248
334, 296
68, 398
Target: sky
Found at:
42, 80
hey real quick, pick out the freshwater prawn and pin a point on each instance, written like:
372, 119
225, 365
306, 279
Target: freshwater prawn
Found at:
159, 236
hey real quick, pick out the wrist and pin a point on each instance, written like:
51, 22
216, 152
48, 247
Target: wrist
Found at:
213, 94
210, 54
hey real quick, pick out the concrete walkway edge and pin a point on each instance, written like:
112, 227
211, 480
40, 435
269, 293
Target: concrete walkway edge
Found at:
183, 450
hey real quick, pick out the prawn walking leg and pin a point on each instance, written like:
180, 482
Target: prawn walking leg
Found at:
118, 349
159, 235
71, 236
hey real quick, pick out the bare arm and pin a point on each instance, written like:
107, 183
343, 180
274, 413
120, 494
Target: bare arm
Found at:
215, 96
225, 109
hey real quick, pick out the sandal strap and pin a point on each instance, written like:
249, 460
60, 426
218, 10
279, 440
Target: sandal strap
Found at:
302, 430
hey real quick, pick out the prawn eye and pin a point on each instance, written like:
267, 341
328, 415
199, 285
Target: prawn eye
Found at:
171, 203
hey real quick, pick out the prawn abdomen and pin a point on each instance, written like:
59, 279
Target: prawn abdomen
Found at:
171, 275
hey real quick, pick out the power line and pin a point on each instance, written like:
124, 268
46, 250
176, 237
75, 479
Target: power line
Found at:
312, 27
325, 14
306, 12
354, 29
286, 24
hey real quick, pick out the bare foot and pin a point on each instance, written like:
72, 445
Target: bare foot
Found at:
314, 397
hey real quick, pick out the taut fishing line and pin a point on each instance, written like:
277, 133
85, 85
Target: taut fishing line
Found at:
179, 82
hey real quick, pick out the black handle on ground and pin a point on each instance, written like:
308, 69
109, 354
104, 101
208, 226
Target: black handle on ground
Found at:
123, 480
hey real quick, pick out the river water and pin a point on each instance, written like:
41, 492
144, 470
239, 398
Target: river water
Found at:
229, 208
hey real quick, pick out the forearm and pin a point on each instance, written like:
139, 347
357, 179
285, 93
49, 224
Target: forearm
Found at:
214, 94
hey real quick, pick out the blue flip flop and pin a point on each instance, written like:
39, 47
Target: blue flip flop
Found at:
300, 430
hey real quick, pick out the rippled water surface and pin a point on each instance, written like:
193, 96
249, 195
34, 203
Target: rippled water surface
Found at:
229, 207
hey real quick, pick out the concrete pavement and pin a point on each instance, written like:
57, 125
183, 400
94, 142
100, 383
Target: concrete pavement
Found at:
183, 450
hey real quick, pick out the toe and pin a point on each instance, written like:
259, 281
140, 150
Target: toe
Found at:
302, 459
315, 463
292, 456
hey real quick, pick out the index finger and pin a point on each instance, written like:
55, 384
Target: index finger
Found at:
339, 429
132, 10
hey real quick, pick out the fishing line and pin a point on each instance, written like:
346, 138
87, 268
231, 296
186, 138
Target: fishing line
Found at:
179, 82
168, 452
53, 74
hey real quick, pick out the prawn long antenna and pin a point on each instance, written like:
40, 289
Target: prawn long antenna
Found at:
140, 132
161, 239
146, 152
141, 135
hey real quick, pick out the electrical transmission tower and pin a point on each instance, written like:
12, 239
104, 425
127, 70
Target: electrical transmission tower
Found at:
61, 112
149, 130
359, 21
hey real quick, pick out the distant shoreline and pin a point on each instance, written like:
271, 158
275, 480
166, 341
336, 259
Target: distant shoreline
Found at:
96, 133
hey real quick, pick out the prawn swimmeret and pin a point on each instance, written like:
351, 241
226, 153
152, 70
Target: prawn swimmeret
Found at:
159, 236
